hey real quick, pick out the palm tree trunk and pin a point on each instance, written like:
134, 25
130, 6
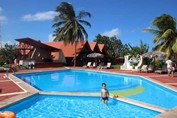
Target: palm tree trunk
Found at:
74, 53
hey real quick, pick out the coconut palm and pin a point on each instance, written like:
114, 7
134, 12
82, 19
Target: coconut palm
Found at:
165, 34
68, 25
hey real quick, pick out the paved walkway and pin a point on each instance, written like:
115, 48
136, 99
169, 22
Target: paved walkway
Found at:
8, 87
159, 77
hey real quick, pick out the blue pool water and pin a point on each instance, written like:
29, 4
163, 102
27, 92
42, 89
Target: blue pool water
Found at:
89, 81
78, 81
45, 106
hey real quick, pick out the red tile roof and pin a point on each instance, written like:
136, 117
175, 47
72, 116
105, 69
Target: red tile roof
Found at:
68, 49
92, 45
55, 44
35, 43
101, 46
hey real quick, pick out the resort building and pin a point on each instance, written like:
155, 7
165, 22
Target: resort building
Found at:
57, 53
38, 53
99, 48
82, 50
103, 50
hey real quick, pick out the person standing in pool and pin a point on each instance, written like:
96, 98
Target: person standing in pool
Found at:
104, 93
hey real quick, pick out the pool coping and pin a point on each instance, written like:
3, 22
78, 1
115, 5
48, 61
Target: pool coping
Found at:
29, 91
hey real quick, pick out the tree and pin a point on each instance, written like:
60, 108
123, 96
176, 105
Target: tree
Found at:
103, 40
138, 50
68, 25
125, 50
165, 34
8, 53
113, 45
116, 46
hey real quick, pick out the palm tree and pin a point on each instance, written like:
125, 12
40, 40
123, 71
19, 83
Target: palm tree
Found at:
165, 34
68, 25
138, 50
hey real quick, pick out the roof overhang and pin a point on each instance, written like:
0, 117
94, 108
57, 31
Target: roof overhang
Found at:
36, 43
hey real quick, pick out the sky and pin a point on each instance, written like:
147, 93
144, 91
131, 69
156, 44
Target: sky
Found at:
125, 19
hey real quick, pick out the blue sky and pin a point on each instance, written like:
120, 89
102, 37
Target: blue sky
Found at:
124, 18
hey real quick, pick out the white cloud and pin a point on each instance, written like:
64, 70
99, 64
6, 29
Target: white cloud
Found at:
40, 16
113, 32
50, 37
3, 18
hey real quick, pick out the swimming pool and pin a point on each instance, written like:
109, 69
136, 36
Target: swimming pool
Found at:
52, 106
90, 81
78, 81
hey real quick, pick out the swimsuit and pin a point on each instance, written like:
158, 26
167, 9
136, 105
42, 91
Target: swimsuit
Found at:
105, 98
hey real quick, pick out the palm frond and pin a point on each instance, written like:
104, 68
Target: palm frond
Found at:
162, 46
152, 30
174, 47
168, 34
157, 39
168, 51
80, 35
85, 23
68, 38
58, 24
165, 22
66, 10
83, 14
83, 31
56, 18
62, 31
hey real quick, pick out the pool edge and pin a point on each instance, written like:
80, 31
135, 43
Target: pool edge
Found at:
32, 91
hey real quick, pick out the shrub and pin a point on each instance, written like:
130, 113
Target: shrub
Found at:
159, 64
21, 67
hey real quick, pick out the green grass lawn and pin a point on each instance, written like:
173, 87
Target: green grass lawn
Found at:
116, 66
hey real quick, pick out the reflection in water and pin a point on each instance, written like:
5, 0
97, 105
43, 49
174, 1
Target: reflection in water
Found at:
126, 80
68, 81
127, 83
54, 76
32, 81
80, 81
140, 82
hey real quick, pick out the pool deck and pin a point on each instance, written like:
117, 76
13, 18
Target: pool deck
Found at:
10, 89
